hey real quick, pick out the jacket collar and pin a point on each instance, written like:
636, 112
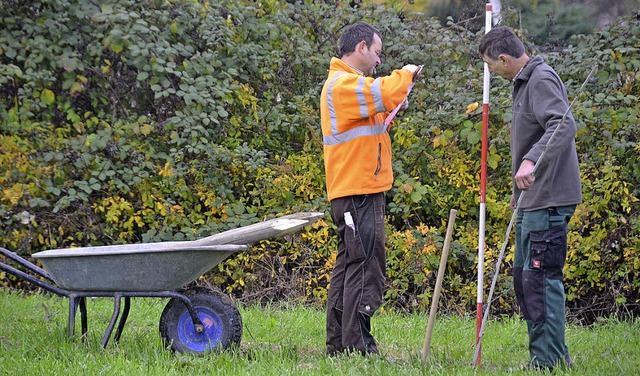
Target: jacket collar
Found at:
527, 69
339, 64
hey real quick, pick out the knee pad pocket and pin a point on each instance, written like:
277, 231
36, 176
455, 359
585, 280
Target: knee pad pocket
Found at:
534, 295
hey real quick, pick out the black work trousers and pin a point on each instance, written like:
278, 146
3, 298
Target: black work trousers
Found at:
358, 278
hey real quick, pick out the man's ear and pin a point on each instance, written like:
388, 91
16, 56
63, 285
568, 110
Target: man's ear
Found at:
504, 59
362, 46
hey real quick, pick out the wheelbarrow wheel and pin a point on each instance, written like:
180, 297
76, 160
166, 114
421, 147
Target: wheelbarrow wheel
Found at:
219, 315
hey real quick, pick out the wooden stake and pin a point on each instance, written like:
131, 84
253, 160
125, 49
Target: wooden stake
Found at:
438, 287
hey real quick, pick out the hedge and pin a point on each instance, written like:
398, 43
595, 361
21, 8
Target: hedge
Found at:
129, 122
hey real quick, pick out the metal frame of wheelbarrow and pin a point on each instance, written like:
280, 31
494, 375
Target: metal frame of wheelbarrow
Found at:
77, 299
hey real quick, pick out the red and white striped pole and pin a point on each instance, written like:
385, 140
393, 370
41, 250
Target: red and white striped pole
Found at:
483, 187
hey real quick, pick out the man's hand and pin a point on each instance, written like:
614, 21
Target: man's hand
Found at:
411, 67
524, 177
404, 105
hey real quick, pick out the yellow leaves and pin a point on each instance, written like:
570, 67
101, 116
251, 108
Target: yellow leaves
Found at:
166, 171
630, 253
173, 28
424, 229
161, 209
76, 88
405, 137
117, 48
114, 209
319, 235
143, 129
508, 257
331, 260
122, 216
246, 96
428, 249
443, 139
106, 68
204, 10
436, 141
472, 107
19, 173
13, 194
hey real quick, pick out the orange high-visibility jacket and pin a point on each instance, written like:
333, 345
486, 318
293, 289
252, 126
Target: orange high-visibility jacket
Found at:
357, 147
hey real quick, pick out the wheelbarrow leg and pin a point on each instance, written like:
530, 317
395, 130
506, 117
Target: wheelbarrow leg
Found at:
73, 307
114, 317
74, 303
83, 316
123, 318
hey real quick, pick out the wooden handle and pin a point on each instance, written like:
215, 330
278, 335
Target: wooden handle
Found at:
436, 291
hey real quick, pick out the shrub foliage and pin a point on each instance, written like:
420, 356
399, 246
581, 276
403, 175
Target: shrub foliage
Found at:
126, 122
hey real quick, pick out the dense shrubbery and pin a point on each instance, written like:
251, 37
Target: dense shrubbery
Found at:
167, 120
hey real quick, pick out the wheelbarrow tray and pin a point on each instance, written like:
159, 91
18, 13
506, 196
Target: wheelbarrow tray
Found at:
149, 267
158, 266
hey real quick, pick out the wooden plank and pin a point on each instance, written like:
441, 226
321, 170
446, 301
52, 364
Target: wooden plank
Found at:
243, 235
263, 230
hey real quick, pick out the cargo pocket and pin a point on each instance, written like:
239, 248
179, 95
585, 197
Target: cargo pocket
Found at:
354, 249
549, 251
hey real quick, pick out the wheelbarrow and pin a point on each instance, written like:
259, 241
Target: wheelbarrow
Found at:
194, 320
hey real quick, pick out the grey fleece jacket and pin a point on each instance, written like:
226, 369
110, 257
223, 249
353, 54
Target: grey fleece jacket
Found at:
539, 102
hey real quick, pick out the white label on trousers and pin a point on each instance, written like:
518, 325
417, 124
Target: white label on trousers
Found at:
348, 220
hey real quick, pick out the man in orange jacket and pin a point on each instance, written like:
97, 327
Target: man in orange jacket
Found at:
357, 157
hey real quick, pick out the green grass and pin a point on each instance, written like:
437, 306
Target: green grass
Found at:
287, 341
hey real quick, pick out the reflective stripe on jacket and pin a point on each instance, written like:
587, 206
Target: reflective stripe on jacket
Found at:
357, 147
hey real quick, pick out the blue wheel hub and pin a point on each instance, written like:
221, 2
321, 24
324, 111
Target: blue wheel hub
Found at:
207, 340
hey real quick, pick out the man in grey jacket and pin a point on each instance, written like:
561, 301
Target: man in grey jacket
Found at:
539, 103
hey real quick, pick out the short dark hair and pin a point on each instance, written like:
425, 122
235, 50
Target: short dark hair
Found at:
354, 34
501, 40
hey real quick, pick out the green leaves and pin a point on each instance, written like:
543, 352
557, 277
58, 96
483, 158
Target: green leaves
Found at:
70, 63
47, 96
471, 132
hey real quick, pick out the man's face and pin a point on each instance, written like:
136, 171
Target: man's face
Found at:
371, 56
500, 66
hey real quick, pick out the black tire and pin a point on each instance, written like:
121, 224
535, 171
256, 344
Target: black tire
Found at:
218, 313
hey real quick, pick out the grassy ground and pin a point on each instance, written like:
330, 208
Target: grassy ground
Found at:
287, 341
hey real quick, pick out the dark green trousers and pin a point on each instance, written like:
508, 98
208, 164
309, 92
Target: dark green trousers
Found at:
541, 251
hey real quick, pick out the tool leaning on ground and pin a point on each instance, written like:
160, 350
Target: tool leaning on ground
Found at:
438, 287
513, 217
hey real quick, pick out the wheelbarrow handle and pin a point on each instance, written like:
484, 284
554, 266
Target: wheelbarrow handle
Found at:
20, 260
28, 277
